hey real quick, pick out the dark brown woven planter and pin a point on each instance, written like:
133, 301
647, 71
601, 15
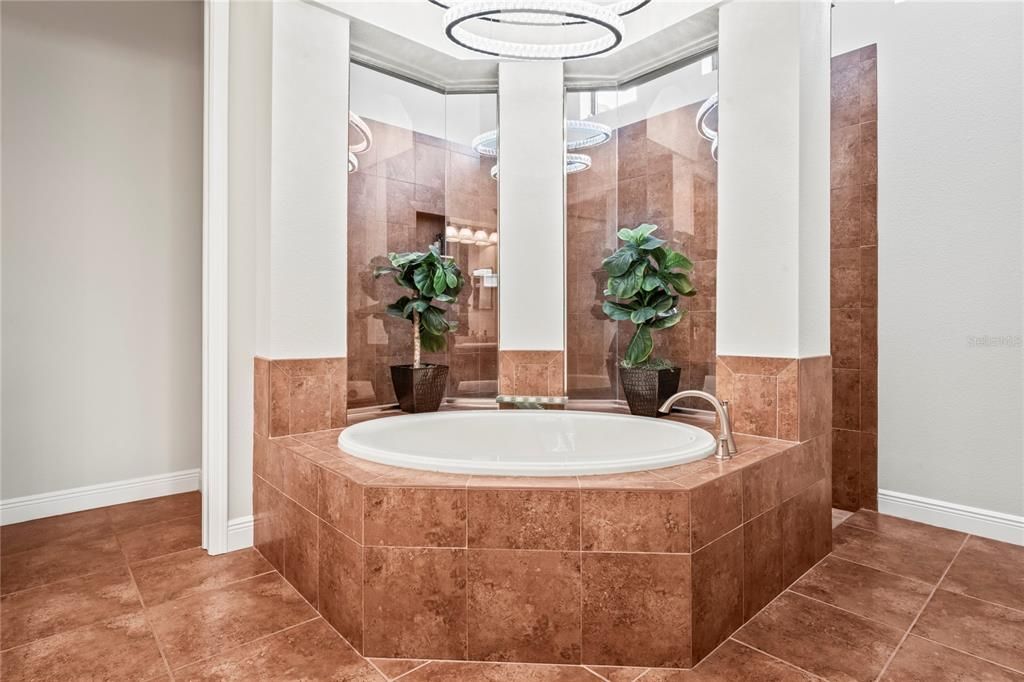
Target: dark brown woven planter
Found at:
647, 389
419, 389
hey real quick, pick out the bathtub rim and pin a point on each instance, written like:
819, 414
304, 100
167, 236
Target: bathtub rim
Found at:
626, 465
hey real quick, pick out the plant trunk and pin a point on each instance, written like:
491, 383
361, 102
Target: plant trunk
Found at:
415, 339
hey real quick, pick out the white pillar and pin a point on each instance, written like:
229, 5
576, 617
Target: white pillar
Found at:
287, 213
309, 182
531, 206
773, 180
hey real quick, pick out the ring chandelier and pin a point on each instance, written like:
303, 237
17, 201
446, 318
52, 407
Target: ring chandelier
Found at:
620, 7
459, 21
594, 134
363, 145
707, 132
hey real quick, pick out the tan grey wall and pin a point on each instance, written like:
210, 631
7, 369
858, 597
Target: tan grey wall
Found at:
950, 155
102, 241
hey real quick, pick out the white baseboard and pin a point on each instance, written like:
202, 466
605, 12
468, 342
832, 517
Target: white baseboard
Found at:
240, 533
973, 520
18, 509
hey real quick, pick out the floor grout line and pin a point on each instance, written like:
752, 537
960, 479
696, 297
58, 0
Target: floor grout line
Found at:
967, 653
145, 611
239, 646
776, 658
62, 580
921, 611
846, 611
880, 570
217, 588
983, 601
139, 562
407, 672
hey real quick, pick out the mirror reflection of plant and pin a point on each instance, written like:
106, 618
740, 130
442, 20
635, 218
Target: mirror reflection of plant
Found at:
432, 278
645, 281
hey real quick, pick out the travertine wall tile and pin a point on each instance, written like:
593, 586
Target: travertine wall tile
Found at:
854, 275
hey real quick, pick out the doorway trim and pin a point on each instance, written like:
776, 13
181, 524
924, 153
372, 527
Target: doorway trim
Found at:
214, 475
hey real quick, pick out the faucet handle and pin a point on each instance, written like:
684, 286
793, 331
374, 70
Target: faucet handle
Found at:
723, 454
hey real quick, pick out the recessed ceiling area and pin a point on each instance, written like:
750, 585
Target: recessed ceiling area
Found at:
408, 38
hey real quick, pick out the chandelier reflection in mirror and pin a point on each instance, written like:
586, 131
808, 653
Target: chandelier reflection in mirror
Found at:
707, 111
365, 140
523, 29
579, 135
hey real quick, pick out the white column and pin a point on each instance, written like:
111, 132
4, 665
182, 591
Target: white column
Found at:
287, 212
309, 182
773, 179
531, 206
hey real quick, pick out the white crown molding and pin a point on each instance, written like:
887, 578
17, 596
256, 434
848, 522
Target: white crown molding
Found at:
973, 520
30, 507
240, 533
378, 48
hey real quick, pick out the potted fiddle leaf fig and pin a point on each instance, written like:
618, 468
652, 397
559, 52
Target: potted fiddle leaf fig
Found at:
432, 279
645, 281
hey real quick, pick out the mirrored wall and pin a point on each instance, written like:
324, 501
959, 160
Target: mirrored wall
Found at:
657, 168
420, 183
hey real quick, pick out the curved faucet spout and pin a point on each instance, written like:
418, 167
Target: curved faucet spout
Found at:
721, 409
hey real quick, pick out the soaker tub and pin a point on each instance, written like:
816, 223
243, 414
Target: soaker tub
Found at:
526, 442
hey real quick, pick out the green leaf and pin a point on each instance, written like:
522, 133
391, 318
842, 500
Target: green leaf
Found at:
417, 304
432, 343
401, 260
452, 279
679, 282
619, 262
676, 261
640, 346
651, 243
433, 320
397, 309
651, 282
382, 270
616, 311
440, 280
665, 303
625, 234
669, 321
642, 315
628, 284
424, 281
643, 231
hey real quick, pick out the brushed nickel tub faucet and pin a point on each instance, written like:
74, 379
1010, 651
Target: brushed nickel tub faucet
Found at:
726, 444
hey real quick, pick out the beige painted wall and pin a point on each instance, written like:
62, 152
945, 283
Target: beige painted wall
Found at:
950, 168
102, 242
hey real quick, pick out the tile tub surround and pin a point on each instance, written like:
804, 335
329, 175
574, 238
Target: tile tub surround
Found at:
648, 569
298, 396
854, 258
785, 398
531, 372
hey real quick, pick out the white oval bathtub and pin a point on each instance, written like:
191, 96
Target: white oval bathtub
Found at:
526, 442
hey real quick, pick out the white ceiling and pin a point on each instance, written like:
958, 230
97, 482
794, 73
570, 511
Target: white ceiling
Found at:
407, 36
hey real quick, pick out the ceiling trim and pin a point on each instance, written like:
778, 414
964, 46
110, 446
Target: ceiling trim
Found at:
382, 50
